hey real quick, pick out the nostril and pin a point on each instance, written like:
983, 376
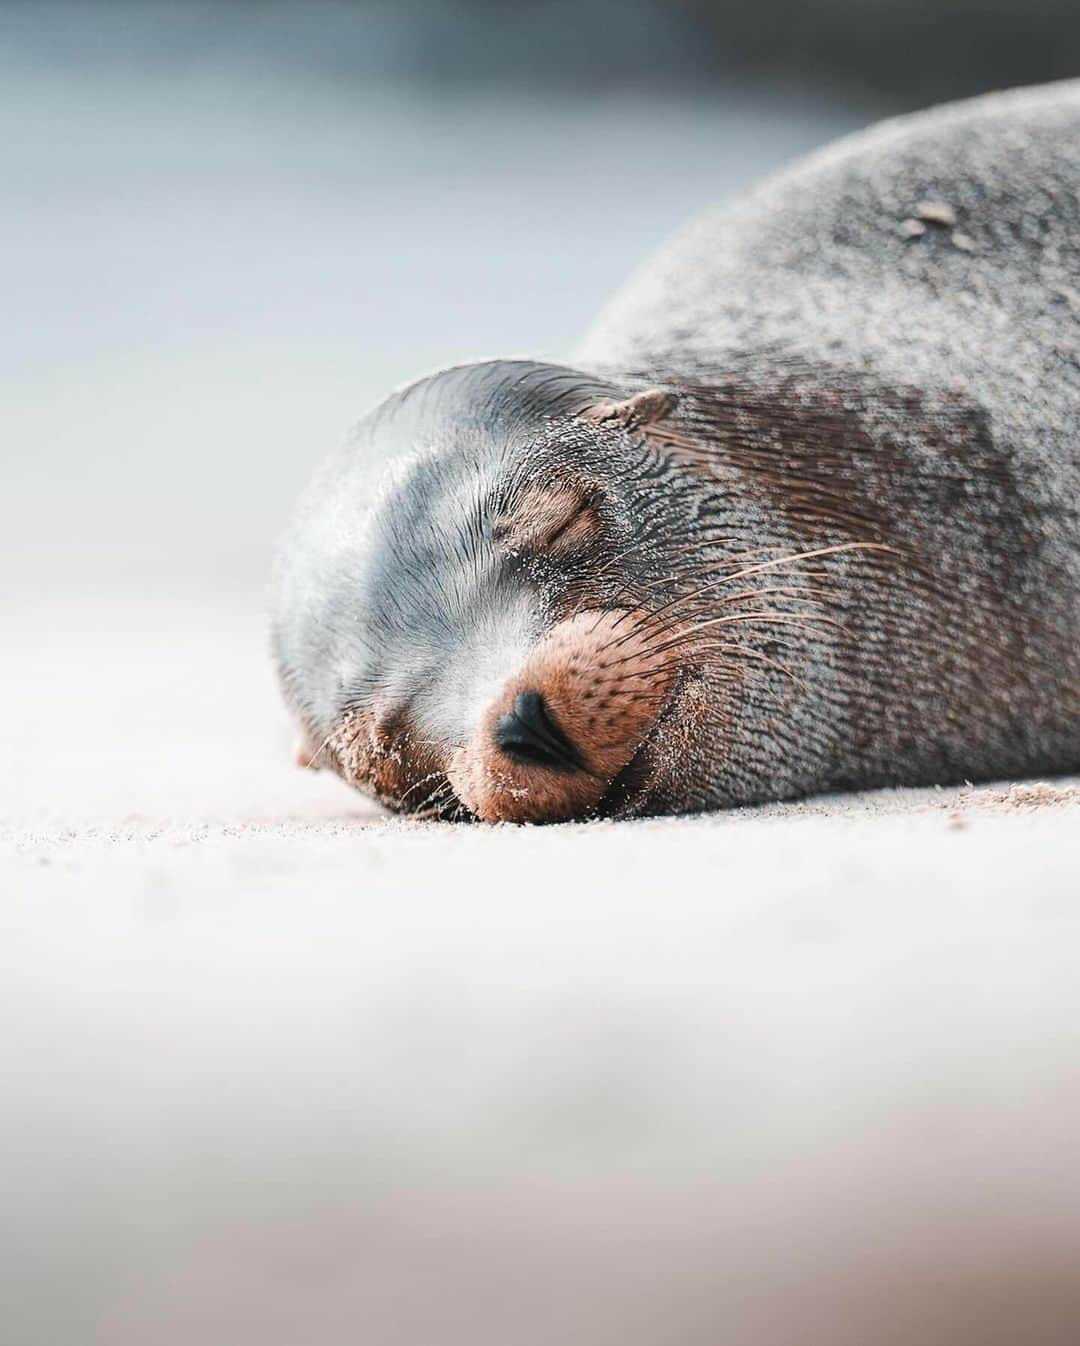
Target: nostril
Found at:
528, 734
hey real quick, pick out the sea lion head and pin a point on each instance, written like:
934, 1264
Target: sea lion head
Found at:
470, 604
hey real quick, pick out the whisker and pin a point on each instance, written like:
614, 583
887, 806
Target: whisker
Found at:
773, 618
648, 620
422, 781
767, 565
322, 747
434, 804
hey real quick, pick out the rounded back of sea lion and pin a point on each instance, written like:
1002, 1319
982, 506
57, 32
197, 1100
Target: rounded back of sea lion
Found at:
804, 518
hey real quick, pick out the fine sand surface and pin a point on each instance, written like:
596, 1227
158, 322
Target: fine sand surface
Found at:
279, 1069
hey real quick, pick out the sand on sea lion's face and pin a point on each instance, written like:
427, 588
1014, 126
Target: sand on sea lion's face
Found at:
482, 567
522, 612
573, 614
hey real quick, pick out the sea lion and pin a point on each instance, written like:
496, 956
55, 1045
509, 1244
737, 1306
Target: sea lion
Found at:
801, 516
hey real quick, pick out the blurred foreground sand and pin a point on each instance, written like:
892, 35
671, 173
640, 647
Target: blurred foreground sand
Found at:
279, 1070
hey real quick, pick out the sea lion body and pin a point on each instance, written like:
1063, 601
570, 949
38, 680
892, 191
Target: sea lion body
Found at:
803, 516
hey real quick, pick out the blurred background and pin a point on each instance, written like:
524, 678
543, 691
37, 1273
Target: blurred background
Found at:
229, 227
274, 1073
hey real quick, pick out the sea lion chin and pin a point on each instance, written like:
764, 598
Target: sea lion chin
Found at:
804, 515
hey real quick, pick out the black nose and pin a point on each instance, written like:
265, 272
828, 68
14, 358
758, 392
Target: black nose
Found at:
528, 734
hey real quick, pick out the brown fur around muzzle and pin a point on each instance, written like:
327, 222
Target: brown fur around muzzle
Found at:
588, 697
568, 735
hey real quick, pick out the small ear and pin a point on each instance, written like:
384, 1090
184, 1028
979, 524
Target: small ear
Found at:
303, 756
643, 409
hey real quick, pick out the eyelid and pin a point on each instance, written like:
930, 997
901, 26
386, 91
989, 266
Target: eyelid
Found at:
557, 517
579, 519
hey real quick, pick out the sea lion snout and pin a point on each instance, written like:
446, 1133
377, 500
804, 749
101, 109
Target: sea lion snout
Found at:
576, 714
526, 733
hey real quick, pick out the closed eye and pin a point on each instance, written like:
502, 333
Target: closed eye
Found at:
557, 517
